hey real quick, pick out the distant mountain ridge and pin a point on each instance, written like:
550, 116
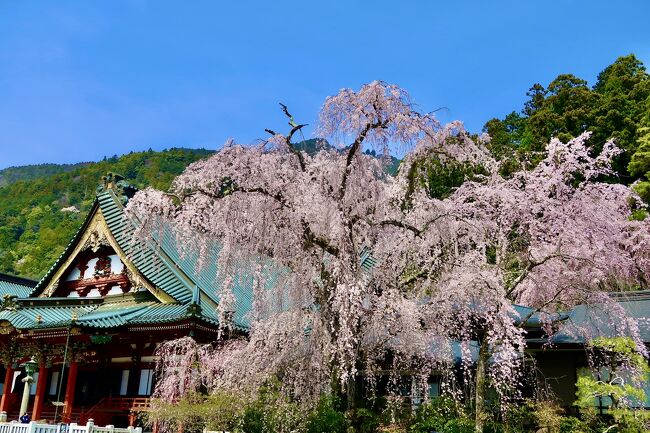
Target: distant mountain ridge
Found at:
28, 172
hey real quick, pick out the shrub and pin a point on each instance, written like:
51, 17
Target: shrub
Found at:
326, 417
367, 421
572, 424
441, 415
459, 425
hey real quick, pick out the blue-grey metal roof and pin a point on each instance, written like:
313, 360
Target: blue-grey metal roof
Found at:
595, 319
15, 286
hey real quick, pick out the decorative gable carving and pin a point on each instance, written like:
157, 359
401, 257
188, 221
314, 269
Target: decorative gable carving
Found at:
97, 267
97, 271
95, 241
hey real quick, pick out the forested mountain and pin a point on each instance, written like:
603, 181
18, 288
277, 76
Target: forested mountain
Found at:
29, 172
41, 207
617, 106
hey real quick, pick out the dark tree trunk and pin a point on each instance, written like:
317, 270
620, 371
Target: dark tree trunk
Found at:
480, 384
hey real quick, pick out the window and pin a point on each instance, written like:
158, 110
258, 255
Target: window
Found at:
32, 386
124, 384
434, 389
146, 374
54, 384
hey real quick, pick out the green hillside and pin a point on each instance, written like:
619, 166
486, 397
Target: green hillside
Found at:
41, 207
29, 172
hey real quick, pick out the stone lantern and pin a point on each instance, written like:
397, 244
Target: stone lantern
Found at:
30, 368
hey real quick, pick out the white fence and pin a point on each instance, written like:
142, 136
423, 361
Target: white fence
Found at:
90, 427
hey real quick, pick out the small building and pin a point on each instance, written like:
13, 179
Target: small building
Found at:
561, 359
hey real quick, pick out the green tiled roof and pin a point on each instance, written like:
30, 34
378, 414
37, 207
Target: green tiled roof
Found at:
14, 286
152, 261
177, 274
160, 262
367, 260
98, 313
102, 317
49, 316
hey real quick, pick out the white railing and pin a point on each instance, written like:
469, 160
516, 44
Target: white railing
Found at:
31, 427
89, 427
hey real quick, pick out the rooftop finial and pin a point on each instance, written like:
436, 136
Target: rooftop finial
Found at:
111, 179
116, 183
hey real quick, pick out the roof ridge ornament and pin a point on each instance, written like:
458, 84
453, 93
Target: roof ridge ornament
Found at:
115, 182
9, 302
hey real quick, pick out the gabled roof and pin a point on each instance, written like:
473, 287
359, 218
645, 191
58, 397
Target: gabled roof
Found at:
170, 287
176, 274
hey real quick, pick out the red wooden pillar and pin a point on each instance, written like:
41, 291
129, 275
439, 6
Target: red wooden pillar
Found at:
69, 391
6, 390
41, 383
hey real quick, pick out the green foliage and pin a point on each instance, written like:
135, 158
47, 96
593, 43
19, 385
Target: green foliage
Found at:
617, 107
272, 412
40, 213
491, 254
620, 368
327, 417
572, 424
639, 215
195, 412
441, 179
29, 172
639, 165
366, 420
442, 415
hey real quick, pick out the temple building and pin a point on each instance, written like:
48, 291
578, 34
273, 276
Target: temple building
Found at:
93, 321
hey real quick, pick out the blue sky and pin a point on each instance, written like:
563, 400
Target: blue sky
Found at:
83, 79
